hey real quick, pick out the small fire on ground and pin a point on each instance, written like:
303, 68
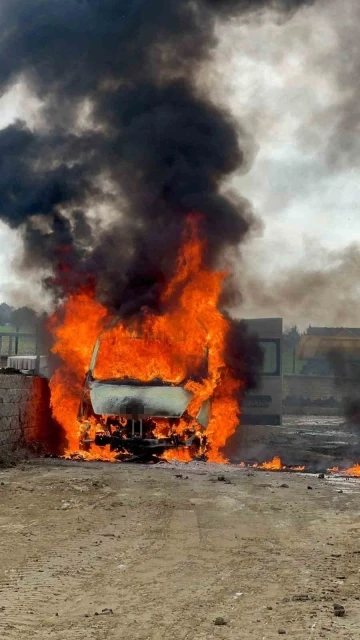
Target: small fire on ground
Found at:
273, 465
276, 465
353, 471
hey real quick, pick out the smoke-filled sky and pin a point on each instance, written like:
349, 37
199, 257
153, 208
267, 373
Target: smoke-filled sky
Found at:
291, 84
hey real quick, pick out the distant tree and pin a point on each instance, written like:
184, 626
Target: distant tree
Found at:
5, 313
291, 337
23, 317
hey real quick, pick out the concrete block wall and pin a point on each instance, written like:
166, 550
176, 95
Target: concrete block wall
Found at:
24, 409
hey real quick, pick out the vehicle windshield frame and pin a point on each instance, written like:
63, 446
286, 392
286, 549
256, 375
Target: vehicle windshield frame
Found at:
201, 374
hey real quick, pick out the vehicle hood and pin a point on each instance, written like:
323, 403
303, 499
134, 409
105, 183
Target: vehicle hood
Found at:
122, 399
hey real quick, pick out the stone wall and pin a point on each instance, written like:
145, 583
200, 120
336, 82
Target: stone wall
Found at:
24, 410
317, 394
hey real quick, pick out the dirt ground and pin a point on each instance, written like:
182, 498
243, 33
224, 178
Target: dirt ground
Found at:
101, 551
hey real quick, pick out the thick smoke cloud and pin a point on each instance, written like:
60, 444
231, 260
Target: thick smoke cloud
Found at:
295, 85
123, 126
340, 119
243, 355
325, 284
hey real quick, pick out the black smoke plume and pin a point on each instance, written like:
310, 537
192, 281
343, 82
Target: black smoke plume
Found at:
244, 356
124, 128
123, 124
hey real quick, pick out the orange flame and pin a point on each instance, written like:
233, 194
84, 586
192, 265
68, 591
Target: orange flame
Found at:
352, 471
273, 465
183, 454
170, 347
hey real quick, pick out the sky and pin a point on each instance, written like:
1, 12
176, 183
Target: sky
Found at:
16, 290
292, 87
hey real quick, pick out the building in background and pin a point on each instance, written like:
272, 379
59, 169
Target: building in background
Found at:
327, 351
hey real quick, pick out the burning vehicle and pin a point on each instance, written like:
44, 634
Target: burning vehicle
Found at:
121, 193
140, 419
157, 380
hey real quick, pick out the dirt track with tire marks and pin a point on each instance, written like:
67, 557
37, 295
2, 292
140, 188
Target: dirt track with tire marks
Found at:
161, 557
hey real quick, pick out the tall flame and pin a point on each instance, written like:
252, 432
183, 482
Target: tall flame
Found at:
169, 346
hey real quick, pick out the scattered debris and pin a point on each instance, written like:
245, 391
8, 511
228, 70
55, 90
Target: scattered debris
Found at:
238, 595
221, 479
282, 632
284, 486
321, 476
302, 598
309, 487
77, 456
104, 612
220, 622
339, 610
98, 484
80, 489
